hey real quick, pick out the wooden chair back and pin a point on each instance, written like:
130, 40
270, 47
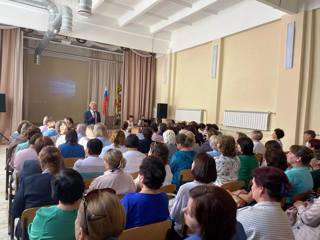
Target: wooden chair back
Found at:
87, 182
69, 162
233, 185
169, 190
186, 176
27, 218
155, 231
259, 158
134, 175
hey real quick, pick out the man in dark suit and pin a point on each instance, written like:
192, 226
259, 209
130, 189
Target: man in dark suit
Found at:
92, 116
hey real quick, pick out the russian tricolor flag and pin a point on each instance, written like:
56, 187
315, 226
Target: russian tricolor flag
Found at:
105, 102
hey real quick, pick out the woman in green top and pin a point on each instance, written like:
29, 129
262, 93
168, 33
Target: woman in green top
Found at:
248, 161
57, 222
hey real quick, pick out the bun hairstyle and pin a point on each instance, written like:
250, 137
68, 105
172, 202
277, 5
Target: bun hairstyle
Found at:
51, 159
67, 186
114, 159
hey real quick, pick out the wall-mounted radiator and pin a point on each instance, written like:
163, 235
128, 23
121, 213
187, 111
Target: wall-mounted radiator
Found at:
246, 119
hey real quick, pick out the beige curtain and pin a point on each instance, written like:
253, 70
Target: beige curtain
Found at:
138, 83
11, 77
103, 74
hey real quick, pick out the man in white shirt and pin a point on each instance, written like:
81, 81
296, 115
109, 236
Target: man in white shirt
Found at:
132, 155
92, 166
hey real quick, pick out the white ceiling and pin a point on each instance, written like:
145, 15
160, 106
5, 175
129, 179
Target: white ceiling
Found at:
149, 25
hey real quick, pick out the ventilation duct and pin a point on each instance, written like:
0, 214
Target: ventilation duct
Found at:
54, 26
66, 20
85, 7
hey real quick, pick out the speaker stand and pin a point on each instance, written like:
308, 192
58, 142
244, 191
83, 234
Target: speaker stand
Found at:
3, 136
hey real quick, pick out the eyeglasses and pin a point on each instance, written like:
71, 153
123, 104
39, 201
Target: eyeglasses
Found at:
89, 197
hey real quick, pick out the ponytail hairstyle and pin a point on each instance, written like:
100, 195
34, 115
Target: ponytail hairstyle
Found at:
114, 159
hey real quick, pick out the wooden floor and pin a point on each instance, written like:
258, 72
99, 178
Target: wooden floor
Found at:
3, 203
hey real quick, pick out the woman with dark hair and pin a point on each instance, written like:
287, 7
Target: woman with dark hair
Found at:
228, 163
71, 148
183, 158
299, 175
248, 161
204, 171
266, 219
313, 144
161, 151
62, 129
277, 135
100, 216
144, 144
69, 122
211, 214
149, 205
57, 222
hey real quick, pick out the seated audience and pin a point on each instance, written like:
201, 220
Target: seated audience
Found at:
130, 122
277, 135
169, 138
51, 130
228, 163
125, 128
299, 175
211, 214
202, 128
29, 133
89, 135
189, 134
92, 165
156, 136
132, 155
266, 219
144, 144
149, 205
30, 153
62, 130
315, 164
69, 122
239, 135
17, 134
183, 158
57, 222
204, 171
213, 142
31, 167
307, 224
308, 135
100, 132
274, 158
119, 142
81, 130
100, 216
114, 177
313, 144
71, 149
258, 147
248, 161
44, 126
161, 151
35, 190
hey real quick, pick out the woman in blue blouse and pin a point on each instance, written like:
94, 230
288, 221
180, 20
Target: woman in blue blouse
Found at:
71, 148
149, 205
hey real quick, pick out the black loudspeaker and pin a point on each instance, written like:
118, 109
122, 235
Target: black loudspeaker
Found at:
2, 102
162, 110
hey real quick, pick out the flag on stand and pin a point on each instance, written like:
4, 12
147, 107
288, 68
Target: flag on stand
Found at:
105, 102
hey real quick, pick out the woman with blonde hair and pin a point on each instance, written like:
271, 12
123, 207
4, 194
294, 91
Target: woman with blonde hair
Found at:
100, 216
100, 132
88, 135
114, 177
